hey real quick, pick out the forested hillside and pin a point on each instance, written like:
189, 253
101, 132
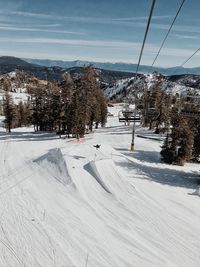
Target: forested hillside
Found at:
69, 106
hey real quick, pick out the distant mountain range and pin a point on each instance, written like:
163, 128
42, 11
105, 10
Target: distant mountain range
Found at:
125, 67
9, 64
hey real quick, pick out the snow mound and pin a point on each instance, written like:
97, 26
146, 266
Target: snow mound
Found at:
106, 174
91, 168
197, 192
54, 163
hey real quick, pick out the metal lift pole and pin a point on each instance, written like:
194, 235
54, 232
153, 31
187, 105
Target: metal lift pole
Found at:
136, 74
133, 131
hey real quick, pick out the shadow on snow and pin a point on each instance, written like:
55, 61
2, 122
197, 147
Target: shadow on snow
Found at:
157, 174
29, 136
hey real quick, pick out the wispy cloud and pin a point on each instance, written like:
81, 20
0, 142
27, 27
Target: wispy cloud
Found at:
177, 52
182, 36
49, 25
139, 21
176, 28
84, 19
74, 42
178, 55
150, 48
7, 27
30, 14
30, 25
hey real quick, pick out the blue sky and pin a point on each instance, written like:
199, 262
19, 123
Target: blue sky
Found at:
99, 30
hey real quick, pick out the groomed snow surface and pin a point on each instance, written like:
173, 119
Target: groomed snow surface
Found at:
63, 203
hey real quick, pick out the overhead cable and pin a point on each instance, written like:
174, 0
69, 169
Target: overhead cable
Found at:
164, 40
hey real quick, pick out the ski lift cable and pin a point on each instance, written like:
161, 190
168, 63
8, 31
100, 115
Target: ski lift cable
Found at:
187, 61
145, 36
139, 60
189, 57
164, 40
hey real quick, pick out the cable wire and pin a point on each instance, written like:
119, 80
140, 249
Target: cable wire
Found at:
145, 36
163, 42
173, 73
186, 61
136, 73
189, 58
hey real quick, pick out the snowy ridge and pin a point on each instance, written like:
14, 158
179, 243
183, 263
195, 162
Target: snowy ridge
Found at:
146, 81
118, 89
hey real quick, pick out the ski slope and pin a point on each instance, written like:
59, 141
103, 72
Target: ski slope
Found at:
63, 203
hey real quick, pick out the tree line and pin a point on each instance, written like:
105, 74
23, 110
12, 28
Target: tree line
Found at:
71, 106
178, 117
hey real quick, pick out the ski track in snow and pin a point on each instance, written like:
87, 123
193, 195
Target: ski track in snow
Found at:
61, 200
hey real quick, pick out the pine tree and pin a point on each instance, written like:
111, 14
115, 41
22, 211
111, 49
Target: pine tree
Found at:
9, 110
167, 154
67, 91
23, 114
102, 109
157, 106
185, 144
179, 149
196, 145
38, 107
71, 106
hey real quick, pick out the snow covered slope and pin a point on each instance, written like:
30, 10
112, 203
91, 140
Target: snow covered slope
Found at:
172, 85
63, 202
18, 84
117, 90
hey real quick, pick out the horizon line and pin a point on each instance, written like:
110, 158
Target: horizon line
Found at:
98, 62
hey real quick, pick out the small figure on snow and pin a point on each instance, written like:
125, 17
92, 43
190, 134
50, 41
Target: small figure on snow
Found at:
97, 146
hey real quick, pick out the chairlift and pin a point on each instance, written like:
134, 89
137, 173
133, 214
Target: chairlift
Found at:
190, 109
128, 116
190, 113
192, 97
